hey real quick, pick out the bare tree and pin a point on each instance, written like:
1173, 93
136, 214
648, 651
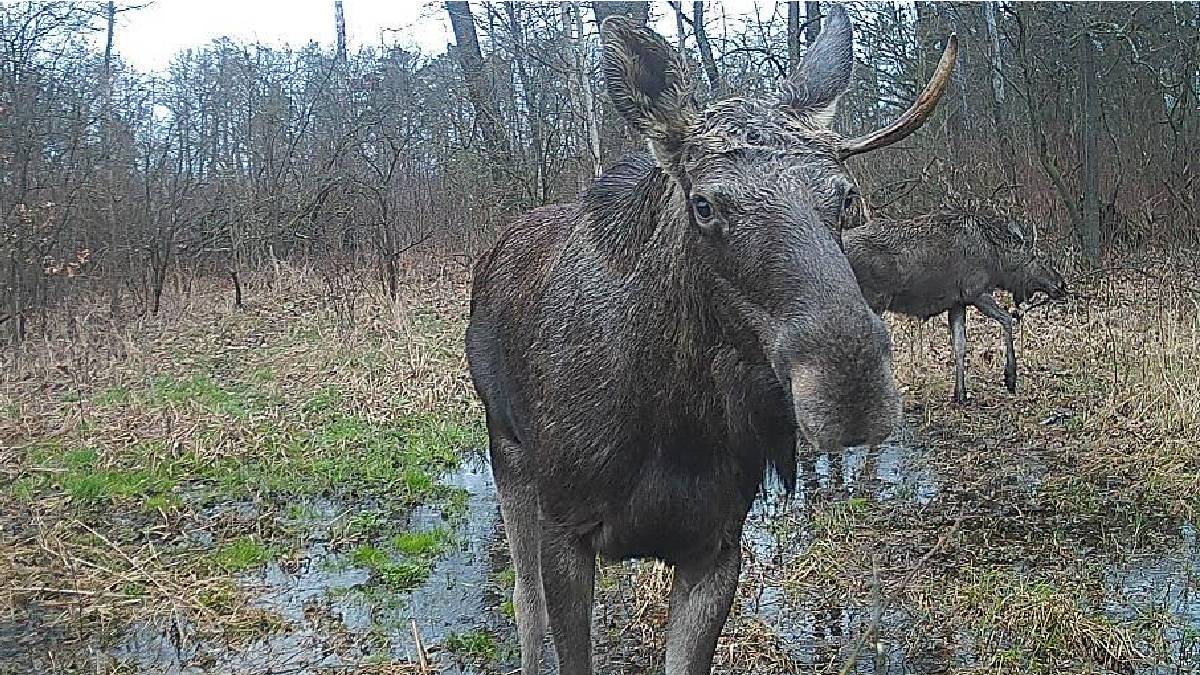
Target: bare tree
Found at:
638, 11
1089, 235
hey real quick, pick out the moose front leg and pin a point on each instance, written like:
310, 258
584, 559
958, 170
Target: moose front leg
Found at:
569, 576
990, 308
700, 599
958, 340
523, 529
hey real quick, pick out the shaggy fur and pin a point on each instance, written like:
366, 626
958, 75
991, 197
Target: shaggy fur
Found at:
648, 354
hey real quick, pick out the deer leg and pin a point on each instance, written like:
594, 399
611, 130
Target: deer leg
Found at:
523, 529
569, 575
700, 599
992, 309
958, 339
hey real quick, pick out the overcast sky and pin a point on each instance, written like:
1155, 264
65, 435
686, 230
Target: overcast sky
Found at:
148, 38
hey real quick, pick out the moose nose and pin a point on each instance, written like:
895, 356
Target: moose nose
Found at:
843, 389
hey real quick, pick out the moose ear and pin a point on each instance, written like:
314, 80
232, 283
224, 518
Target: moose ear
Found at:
648, 83
812, 91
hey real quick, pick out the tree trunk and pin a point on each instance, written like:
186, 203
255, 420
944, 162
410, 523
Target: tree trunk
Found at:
237, 289
638, 11
812, 14
584, 82
793, 36
532, 107
999, 120
1090, 233
680, 28
470, 57
1036, 126
114, 230
715, 86
340, 24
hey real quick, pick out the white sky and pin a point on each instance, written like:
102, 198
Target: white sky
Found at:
148, 38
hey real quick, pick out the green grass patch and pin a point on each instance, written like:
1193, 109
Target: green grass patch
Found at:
114, 396
347, 452
263, 375
366, 525
406, 575
1036, 626
454, 504
89, 479
476, 645
11, 410
427, 544
325, 400
24, 488
242, 554
397, 575
506, 579
408, 560
201, 391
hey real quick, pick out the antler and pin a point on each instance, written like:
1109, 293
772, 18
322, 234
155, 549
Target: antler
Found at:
917, 113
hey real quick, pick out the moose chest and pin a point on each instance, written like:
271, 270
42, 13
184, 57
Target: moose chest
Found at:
670, 471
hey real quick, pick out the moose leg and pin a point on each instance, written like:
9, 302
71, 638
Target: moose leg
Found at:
958, 339
700, 600
569, 575
522, 526
990, 308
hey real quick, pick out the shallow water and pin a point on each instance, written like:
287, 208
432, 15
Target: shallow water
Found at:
1163, 584
894, 470
331, 624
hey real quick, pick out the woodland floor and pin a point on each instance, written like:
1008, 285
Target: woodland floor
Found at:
298, 486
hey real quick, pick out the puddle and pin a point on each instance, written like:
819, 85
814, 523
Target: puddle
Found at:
330, 620
1163, 586
778, 534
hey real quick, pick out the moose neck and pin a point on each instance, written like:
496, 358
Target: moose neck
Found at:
1013, 275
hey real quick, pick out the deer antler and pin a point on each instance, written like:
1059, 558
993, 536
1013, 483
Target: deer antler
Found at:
917, 113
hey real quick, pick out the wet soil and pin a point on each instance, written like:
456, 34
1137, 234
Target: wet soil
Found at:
331, 617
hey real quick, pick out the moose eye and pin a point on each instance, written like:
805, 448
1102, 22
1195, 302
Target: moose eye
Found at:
848, 200
702, 207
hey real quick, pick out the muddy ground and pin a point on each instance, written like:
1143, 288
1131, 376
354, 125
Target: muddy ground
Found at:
299, 488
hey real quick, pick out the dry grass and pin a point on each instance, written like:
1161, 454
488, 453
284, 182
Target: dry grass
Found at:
119, 442
1008, 568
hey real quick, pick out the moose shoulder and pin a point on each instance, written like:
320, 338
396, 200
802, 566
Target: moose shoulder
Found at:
645, 356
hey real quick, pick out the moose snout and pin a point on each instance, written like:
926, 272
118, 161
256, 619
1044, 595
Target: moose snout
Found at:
843, 389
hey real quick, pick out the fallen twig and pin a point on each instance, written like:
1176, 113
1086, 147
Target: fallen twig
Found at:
422, 661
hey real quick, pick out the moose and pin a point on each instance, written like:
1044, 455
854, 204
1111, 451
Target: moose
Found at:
948, 261
647, 355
